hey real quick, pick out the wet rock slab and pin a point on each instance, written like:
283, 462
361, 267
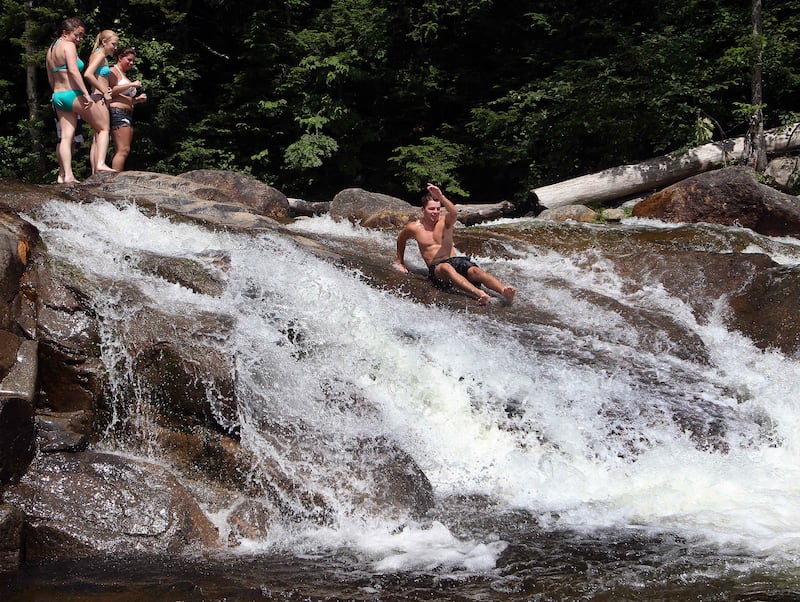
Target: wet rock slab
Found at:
87, 503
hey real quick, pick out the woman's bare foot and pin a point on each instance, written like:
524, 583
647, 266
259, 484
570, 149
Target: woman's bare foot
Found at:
104, 168
508, 294
483, 299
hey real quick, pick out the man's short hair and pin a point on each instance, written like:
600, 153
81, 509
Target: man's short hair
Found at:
428, 197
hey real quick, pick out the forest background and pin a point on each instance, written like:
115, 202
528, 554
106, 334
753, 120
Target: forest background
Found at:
487, 98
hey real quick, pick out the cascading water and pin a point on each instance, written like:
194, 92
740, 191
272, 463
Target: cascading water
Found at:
586, 423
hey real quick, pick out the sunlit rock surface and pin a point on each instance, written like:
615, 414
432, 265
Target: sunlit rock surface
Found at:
371, 209
731, 196
181, 384
86, 503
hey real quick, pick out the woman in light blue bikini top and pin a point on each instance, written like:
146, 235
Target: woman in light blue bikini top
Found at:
97, 71
58, 59
64, 66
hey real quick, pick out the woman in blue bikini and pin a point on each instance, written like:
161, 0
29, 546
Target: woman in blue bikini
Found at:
70, 97
96, 73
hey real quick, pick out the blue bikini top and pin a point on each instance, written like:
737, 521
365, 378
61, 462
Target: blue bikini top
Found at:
102, 70
64, 66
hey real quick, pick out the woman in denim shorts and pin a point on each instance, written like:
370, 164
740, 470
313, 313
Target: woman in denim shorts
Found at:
124, 95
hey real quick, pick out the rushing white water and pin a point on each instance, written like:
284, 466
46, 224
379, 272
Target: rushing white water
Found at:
485, 405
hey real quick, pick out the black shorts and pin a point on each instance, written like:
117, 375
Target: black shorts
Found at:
461, 265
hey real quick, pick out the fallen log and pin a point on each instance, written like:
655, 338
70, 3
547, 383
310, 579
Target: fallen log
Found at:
628, 180
468, 214
473, 214
308, 208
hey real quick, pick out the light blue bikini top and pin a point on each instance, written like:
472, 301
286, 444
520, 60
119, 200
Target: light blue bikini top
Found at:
64, 66
102, 70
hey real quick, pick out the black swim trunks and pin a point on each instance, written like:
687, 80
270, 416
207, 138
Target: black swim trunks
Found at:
461, 265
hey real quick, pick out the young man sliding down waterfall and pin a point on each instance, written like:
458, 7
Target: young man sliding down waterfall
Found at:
434, 236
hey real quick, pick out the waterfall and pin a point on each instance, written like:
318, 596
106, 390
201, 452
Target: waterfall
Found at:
559, 405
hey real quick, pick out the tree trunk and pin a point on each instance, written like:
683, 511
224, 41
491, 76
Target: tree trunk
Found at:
31, 89
755, 152
629, 180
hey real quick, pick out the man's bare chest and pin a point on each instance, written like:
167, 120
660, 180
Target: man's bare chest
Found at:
430, 236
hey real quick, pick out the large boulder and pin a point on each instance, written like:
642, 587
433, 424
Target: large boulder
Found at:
17, 438
11, 523
58, 313
181, 196
768, 310
763, 297
17, 425
730, 196
577, 213
18, 355
88, 503
698, 278
371, 209
237, 187
784, 173
24, 197
17, 239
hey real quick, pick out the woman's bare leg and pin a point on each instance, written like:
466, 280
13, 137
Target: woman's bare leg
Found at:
122, 146
97, 116
68, 122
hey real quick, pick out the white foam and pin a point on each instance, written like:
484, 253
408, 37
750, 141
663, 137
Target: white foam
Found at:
311, 337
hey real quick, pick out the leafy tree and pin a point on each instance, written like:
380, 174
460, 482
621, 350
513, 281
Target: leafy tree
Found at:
433, 160
27, 28
487, 97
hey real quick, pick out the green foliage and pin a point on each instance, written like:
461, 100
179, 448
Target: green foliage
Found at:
309, 151
479, 95
745, 110
704, 130
192, 153
434, 160
11, 157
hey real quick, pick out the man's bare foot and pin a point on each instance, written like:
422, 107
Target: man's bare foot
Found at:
508, 294
483, 299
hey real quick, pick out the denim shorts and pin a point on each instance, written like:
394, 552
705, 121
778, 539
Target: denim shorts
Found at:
120, 118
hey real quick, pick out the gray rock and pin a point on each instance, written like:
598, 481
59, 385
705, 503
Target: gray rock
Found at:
731, 196
17, 438
613, 215
785, 173
371, 209
63, 431
180, 196
11, 522
226, 186
578, 213
86, 503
